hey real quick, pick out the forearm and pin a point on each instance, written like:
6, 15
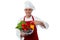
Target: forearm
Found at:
42, 24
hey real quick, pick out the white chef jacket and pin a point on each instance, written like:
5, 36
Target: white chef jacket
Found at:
29, 19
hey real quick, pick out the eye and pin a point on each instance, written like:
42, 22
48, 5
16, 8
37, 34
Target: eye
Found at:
30, 9
26, 9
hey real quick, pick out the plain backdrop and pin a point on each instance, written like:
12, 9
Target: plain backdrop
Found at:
12, 10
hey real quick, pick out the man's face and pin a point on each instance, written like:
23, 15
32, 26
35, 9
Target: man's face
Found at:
28, 11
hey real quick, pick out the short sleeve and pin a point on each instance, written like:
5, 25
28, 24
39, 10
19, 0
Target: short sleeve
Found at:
20, 19
36, 18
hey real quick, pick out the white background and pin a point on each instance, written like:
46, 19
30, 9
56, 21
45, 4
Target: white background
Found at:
12, 10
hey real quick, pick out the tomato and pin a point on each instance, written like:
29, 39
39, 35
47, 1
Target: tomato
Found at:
25, 29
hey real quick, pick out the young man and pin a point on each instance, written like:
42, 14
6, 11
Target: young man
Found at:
28, 18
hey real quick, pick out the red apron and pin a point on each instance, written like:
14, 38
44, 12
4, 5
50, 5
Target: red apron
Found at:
34, 35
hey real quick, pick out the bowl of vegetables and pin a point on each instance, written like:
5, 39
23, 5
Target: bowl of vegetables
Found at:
25, 28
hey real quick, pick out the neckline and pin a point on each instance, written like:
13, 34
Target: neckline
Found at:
31, 16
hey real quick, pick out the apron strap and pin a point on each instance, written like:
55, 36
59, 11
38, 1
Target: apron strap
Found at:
24, 18
32, 18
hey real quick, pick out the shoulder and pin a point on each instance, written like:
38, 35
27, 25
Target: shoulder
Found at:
36, 18
20, 19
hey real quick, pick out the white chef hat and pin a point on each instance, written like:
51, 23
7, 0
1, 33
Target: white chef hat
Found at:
28, 4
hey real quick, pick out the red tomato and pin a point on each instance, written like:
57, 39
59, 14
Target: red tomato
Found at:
25, 29
23, 25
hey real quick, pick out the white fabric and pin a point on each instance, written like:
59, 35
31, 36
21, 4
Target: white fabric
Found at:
28, 4
18, 33
29, 19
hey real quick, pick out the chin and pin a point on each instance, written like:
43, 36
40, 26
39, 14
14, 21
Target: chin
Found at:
28, 15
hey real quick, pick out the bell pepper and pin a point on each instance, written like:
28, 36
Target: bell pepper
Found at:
32, 27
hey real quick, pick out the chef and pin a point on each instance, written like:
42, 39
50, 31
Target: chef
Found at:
28, 18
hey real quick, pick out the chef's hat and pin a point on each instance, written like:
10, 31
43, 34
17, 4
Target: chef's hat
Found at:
28, 4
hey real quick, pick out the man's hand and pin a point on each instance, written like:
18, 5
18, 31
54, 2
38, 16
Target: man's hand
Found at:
22, 34
39, 23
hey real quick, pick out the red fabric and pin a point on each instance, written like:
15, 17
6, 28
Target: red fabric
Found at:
34, 35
